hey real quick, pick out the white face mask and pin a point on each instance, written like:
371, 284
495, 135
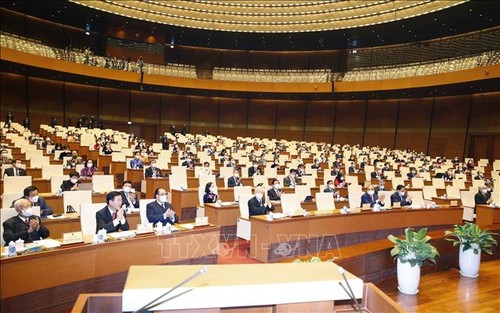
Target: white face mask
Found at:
259, 195
371, 192
73, 180
212, 189
34, 199
163, 198
331, 186
27, 212
236, 175
153, 165
90, 164
381, 187
255, 166
126, 189
276, 186
401, 193
484, 191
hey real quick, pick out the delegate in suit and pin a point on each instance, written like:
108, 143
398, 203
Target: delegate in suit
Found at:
160, 210
24, 225
112, 217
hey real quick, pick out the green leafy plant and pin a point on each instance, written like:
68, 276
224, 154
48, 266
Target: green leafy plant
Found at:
414, 247
472, 237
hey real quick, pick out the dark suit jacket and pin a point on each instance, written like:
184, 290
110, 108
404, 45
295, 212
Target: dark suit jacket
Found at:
273, 195
480, 198
327, 189
231, 182
105, 220
126, 202
210, 198
10, 171
44, 207
256, 208
149, 172
154, 213
252, 171
287, 182
66, 185
395, 197
366, 198
14, 228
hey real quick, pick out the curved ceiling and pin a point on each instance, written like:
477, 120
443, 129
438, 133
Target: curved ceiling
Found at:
270, 16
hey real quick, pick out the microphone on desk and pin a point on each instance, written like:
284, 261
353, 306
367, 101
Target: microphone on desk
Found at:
349, 292
152, 304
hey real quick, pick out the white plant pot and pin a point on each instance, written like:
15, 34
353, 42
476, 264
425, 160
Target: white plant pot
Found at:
469, 262
408, 278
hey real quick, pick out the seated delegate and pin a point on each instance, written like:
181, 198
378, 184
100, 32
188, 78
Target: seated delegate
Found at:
112, 217
30, 193
24, 225
160, 210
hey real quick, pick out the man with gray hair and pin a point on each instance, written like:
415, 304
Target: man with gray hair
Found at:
24, 225
258, 205
482, 196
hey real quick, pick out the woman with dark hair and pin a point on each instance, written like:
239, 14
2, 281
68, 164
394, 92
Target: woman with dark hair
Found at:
210, 195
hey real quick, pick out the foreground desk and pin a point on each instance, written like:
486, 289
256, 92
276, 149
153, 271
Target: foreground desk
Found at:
487, 215
289, 237
185, 202
55, 278
56, 203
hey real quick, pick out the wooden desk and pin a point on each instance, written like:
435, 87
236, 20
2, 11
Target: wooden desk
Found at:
486, 215
56, 203
447, 201
62, 274
285, 238
153, 183
103, 163
185, 202
72, 224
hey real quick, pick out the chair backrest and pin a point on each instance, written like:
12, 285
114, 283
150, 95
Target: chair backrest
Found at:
204, 179
8, 198
260, 179
270, 171
243, 204
387, 194
324, 201
438, 183
15, 184
353, 180
398, 181
56, 181
309, 181
467, 197
426, 175
201, 193
290, 202
178, 170
77, 198
226, 172
52, 170
302, 191
38, 161
103, 183
355, 199
417, 182
241, 190
87, 217
177, 182
460, 183
8, 213
453, 192
417, 197
142, 210
354, 188
429, 192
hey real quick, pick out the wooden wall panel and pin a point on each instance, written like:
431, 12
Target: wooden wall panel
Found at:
81, 99
485, 114
114, 104
319, 121
290, 120
235, 58
45, 99
413, 126
12, 96
381, 123
233, 117
204, 115
294, 60
145, 107
448, 132
261, 118
174, 111
264, 59
349, 122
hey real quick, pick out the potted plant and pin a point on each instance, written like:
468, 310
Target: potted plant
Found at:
410, 252
472, 240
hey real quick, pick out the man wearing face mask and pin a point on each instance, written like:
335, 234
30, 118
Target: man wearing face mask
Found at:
136, 162
330, 187
25, 225
72, 183
15, 170
30, 193
112, 217
482, 196
160, 210
274, 194
254, 169
291, 180
152, 170
369, 197
129, 197
380, 186
234, 180
89, 170
401, 196
258, 205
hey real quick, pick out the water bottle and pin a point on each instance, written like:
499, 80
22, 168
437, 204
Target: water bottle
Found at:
59, 192
12, 248
168, 228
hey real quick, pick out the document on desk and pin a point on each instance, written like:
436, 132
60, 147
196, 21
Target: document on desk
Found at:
122, 234
48, 243
187, 225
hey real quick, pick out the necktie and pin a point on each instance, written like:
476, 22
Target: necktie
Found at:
27, 221
114, 215
17, 172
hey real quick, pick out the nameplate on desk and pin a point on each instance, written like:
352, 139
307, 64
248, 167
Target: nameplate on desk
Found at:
454, 203
145, 228
396, 205
201, 221
366, 206
72, 238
